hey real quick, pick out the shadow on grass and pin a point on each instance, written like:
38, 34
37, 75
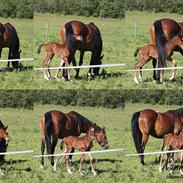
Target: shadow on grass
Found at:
11, 162
22, 68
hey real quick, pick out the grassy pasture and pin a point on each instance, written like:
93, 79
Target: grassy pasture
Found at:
120, 39
112, 167
18, 79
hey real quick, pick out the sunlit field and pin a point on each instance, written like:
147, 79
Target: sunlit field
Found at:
120, 37
24, 134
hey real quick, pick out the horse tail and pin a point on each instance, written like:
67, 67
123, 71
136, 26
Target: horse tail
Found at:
136, 133
136, 52
69, 37
160, 41
48, 127
39, 48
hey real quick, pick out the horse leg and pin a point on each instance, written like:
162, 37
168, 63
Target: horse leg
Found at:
58, 158
67, 161
9, 57
46, 64
161, 76
181, 163
154, 63
42, 152
81, 163
143, 144
174, 70
1, 172
91, 164
80, 63
0, 52
90, 73
164, 147
54, 143
61, 64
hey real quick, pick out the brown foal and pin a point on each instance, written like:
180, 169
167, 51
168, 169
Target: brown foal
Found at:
176, 143
148, 52
52, 49
83, 144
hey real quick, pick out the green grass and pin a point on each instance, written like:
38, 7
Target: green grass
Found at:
119, 45
111, 167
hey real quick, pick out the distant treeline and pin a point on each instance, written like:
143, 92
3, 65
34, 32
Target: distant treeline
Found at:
17, 8
96, 8
91, 98
172, 6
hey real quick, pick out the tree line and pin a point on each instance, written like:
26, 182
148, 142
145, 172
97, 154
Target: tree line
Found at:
96, 8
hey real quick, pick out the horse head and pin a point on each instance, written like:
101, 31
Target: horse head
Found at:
101, 138
4, 134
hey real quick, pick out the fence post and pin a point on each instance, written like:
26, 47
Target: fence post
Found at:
46, 31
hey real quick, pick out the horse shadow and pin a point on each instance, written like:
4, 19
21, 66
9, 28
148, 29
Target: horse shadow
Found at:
21, 68
18, 161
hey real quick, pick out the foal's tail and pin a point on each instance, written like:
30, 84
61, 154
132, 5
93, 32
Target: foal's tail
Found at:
136, 133
39, 48
136, 52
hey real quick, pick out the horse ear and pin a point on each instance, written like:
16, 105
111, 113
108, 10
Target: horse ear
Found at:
6, 127
101, 57
103, 128
2, 29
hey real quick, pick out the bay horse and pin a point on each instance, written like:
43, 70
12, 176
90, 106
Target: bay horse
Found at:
149, 122
161, 31
83, 144
52, 49
4, 139
149, 52
9, 39
57, 125
92, 41
176, 143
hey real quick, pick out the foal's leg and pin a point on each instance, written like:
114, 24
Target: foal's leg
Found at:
81, 163
181, 163
58, 157
61, 64
174, 70
164, 147
67, 161
91, 164
46, 64
1, 172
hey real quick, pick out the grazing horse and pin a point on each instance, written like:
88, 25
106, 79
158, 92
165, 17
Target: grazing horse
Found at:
52, 49
83, 144
91, 41
149, 122
176, 143
9, 39
150, 51
57, 125
4, 139
161, 31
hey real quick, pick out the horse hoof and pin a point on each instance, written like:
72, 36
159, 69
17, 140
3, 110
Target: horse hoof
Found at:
81, 173
94, 173
136, 80
47, 78
69, 171
57, 78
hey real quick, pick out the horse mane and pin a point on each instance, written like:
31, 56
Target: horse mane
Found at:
179, 111
160, 41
